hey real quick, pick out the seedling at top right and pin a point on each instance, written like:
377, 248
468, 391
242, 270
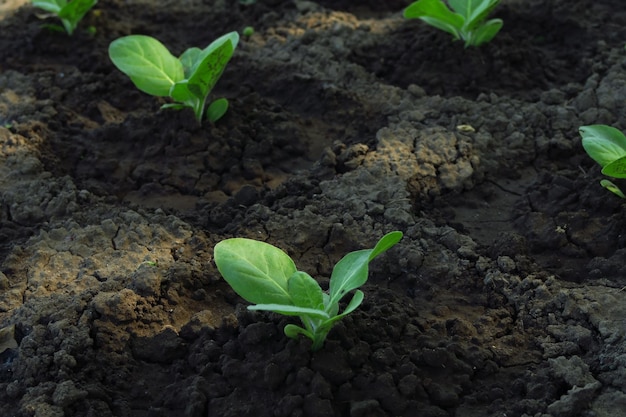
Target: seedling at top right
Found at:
466, 21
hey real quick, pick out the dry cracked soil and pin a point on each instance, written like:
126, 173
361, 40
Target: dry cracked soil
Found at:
504, 298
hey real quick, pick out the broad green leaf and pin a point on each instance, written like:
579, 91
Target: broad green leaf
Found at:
148, 63
52, 6
305, 291
216, 110
210, 66
437, 14
616, 169
486, 32
603, 143
351, 271
257, 271
612, 187
290, 310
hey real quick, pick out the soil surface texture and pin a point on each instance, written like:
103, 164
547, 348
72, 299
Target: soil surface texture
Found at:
505, 297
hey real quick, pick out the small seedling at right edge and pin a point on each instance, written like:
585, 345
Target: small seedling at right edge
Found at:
607, 146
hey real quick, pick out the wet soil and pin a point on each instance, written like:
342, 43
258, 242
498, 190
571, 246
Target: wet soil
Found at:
504, 298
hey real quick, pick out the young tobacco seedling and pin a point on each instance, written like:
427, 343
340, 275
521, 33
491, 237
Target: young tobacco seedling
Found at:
70, 12
466, 20
266, 276
187, 80
607, 146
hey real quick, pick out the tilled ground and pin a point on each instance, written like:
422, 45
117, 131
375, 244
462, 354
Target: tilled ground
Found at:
505, 296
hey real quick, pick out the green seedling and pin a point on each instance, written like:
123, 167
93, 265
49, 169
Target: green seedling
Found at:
464, 19
70, 12
607, 146
266, 276
187, 80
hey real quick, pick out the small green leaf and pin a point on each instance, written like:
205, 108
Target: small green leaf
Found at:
437, 14
612, 187
211, 64
217, 110
616, 169
52, 6
351, 271
73, 12
474, 12
305, 291
290, 310
292, 331
257, 271
189, 59
486, 32
603, 143
148, 63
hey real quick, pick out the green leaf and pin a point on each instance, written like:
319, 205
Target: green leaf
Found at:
292, 331
180, 92
355, 302
386, 242
612, 187
290, 310
616, 169
210, 64
305, 291
603, 143
257, 271
148, 63
188, 59
73, 12
474, 12
486, 32
437, 14
216, 110
52, 6
351, 271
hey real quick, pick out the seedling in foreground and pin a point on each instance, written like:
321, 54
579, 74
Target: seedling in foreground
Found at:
466, 20
607, 146
188, 80
266, 276
70, 12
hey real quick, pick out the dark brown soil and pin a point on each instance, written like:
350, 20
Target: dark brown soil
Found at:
504, 298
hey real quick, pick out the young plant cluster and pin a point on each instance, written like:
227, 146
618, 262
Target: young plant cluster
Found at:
607, 146
69, 12
187, 80
464, 19
266, 276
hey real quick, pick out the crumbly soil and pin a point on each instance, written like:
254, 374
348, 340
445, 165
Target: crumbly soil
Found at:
504, 298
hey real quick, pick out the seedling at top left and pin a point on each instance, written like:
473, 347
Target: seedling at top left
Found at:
70, 12
187, 80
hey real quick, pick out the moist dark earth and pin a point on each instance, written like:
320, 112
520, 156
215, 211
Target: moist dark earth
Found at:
506, 296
